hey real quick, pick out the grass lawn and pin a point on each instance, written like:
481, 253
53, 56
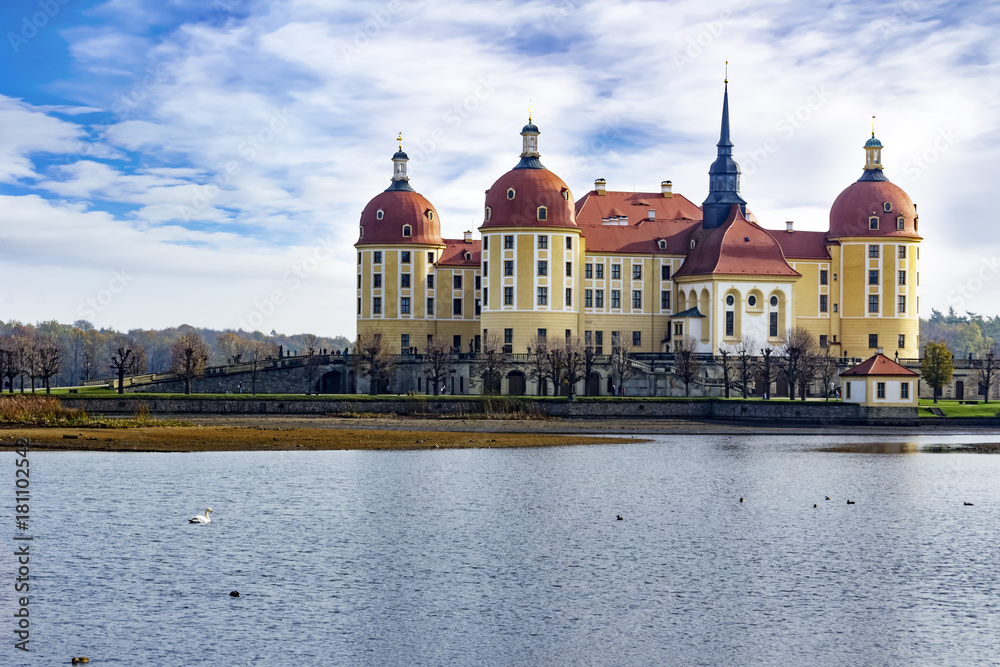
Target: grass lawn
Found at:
953, 409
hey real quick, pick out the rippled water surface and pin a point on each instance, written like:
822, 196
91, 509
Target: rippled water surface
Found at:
515, 557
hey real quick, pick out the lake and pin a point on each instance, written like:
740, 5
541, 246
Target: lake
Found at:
515, 556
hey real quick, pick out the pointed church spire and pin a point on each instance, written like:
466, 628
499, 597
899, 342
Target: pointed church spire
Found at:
723, 176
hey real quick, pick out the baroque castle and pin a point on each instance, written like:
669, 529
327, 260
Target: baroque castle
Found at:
653, 267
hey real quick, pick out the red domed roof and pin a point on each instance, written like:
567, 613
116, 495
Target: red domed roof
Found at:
399, 208
532, 188
867, 198
737, 247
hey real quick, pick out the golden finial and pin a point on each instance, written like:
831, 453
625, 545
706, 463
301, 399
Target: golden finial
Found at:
399, 139
727, 73
873, 126
529, 111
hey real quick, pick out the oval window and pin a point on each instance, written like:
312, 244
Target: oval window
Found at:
887, 207
751, 301
430, 214
730, 300
510, 193
774, 302
379, 214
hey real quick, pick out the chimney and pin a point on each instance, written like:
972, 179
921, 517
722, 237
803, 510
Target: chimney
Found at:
788, 226
667, 189
878, 350
601, 186
468, 237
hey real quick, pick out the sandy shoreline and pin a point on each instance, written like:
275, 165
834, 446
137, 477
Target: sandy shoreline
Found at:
283, 433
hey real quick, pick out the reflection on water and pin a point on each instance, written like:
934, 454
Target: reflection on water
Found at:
469, 557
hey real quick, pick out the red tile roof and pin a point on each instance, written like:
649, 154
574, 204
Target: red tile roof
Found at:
737, 247
879, 365
454, 253
852, 208
674, 217
399, 207
802, 245
532, 188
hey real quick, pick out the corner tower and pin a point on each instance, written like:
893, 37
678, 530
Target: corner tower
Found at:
532, 252
723, 177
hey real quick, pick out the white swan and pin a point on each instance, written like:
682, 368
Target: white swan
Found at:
202, 518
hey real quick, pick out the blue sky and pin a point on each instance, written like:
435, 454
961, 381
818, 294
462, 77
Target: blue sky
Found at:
206, 161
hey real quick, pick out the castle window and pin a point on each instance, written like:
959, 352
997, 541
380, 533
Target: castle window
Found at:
873, 277
637, 299
637, 272
900, 223
636, 339
881, 389
901, 342
569, 296
404, 281
774, 302
543, 242
588, 270
665, 269
887, 207
479, 282
834, 307
569, 243
430, 214
904, 389
730, 323
902, 252
873, 303
430, 257
430, 305
616, 298
692, 244
565, 194
872, 340
508, 267
377, 280
508, 296
902, 277
457, 281
486, 269
662, 243
823, 342
772, 330
588, 298
508, 241
822, 303
489, 212
362, 236
664, 300
486, 243
404, 341
359, 305
873, 251
486, 297
379, 214
468, 255
901, 303
404, 305
406, 257
543, 296
456, 306
430, 281
378, 257
600, 271
543, 213
616, 271
510, 193
359, 255
377, 305
822, 276
752, 301
569, 269
730, 300
407, 230
873, 222
508, 337
599, 299
543, 267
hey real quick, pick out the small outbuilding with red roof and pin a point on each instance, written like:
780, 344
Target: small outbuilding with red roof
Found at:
880, 381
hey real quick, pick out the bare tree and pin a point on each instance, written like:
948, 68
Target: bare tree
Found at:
373, 359
438, 362
123, 357
189, 357
798, 361
827, 370
575, 364
8, 364
230, 348
557, 362
727, 353
540, 368
91, 354
767, 369
49, 355
621, 353
312, 361
746, 361
28, 355
589, 361
257, 352
686, 362
491, 361
987, 365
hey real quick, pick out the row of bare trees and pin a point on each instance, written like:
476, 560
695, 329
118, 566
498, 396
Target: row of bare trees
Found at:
30, 355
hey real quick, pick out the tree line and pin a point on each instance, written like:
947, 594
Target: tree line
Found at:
51, 354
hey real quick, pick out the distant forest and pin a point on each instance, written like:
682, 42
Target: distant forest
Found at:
84, 353
78, 351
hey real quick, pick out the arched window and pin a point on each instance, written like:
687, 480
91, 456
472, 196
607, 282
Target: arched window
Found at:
543, 213
510, 193
407, 230
362, 231
489, 212
873, 222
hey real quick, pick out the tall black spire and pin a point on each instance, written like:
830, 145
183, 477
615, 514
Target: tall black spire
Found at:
723, 177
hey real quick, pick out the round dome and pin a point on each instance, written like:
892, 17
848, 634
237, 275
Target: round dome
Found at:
852, 211
517, 198
399, 216
873, 143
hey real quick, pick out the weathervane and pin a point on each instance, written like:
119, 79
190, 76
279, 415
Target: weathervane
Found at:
727, 73
873, 126
400, 140
529, 111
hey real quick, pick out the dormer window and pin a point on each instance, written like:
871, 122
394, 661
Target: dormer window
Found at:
652, 214
543, 213
873, 222
887, 207
510, 193
565, 194
468, 255
362, 231
430, 214
662, 243
900, 223
407, 230
692, 244
379, 214
489, 212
